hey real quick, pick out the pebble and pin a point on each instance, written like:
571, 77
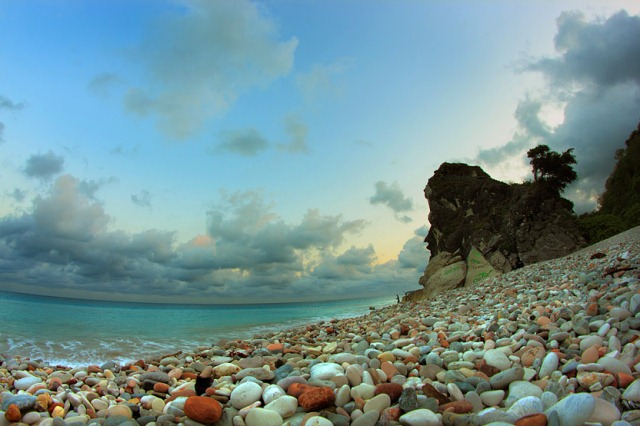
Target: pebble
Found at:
552, 343
261, 417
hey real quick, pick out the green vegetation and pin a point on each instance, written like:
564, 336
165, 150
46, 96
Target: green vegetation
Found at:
619, 207
552, 168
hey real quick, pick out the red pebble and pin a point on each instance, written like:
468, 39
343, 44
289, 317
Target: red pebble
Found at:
316, 399
161, 387
458, 407
203, 409
538, 419
391, 414
394, 390
13, 414
297, 389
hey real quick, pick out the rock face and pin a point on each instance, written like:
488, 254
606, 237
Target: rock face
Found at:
483, 226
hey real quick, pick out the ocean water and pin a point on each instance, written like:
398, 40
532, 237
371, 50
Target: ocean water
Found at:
76, 332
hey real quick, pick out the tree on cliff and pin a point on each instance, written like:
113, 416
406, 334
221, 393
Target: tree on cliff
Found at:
552, 168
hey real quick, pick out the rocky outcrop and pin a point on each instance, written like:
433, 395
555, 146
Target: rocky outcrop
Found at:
496, 226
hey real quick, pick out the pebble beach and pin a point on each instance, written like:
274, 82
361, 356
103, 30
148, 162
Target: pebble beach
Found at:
555, 343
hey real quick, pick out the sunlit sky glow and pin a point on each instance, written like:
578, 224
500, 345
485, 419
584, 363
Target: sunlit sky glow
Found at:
237, 151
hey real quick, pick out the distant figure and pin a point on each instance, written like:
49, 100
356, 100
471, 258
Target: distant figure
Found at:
398, 298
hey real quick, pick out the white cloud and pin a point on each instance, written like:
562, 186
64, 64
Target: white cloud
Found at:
199, 61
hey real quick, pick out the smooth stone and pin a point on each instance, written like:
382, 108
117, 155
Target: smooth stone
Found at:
343, 396
377, 403
549, 399
498, 359
589, 341
367, 419
614, 365
549, 365
343, 357
526, 406
574, 410
285, 406
502, 379
271, 393
605, 413
263, 417
363, 391
492, 398
326, 370
23, 401
317, 421
420, 417
245, 394
26, 382
632, 392
521, 389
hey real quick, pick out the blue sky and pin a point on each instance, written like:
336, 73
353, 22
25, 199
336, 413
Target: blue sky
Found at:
234, 151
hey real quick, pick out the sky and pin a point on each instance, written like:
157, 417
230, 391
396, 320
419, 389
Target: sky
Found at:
248, 152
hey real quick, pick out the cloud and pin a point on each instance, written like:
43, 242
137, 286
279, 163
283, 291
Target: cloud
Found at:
320, 81
200, 60
598, 54
142, 199
246, 253
44, 166
9, 105
594, 81
19, 195
246, 142
103, 84
297, 132
250, 142
391, 196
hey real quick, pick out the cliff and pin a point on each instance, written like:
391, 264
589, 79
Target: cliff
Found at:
476, 219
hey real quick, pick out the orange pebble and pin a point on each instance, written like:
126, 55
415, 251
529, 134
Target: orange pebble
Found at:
538, 419
13, 414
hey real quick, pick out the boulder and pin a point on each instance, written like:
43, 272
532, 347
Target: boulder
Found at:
491, 226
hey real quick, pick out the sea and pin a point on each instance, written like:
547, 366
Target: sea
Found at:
74, 332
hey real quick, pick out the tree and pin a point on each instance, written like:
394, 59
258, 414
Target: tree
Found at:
552, 168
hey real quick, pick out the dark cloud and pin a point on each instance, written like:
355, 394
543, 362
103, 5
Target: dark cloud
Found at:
248, 253
598, 54
391, 196
353, 263
9, 105
44, 166
246, 142
142, 199
199, 60
297, 131
19, 195
103, 84
594, 80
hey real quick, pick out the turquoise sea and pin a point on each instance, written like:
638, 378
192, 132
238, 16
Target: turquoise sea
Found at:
77, 332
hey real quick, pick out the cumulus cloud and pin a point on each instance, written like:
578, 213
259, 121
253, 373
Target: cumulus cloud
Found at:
594, 80
248, 252
250, 142
44, 166
297, 131
246, 142
200, 60
8, 105
391, 196
102, 84
320, 80
142, 199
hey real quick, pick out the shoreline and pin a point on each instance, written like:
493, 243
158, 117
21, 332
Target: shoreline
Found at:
555, 341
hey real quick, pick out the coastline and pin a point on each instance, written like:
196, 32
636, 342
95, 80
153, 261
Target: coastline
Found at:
554, 341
